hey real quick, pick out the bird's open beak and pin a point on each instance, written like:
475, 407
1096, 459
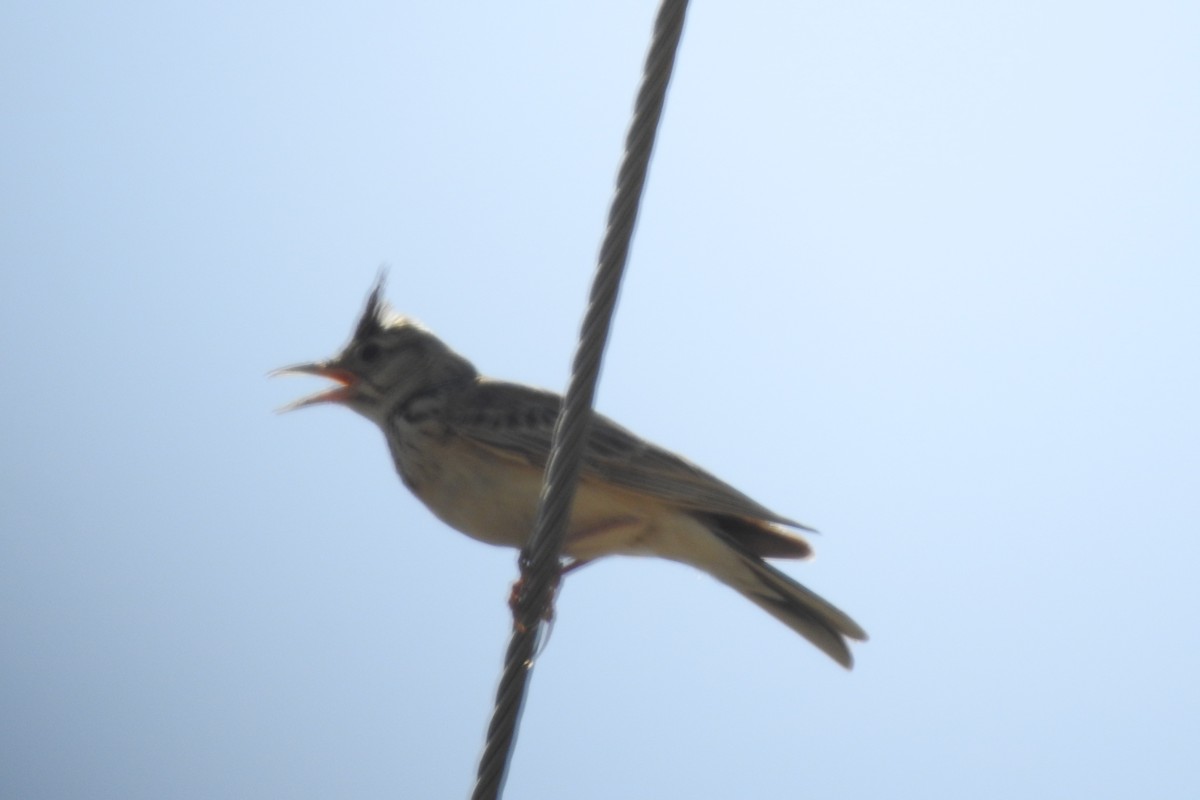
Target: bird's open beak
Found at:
338, 394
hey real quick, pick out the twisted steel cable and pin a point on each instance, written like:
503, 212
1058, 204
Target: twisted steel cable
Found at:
540, 565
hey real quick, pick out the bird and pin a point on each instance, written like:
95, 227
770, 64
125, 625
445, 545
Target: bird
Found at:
473, 450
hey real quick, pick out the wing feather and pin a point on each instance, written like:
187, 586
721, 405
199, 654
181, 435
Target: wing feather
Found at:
517, 422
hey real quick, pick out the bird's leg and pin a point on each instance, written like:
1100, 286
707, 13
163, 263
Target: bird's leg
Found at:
624, 527
518, 589
574, 564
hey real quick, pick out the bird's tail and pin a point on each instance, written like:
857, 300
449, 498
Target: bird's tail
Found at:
796, 606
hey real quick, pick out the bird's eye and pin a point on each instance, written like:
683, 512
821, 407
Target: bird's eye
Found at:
369, 352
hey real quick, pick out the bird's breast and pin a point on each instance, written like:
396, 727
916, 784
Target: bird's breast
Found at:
494, 499
470, 489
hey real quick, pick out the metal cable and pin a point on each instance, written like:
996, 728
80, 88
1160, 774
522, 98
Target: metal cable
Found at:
540, 564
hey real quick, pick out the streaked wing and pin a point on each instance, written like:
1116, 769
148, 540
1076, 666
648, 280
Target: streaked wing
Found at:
517, 422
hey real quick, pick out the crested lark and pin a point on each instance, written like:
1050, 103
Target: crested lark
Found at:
474, 449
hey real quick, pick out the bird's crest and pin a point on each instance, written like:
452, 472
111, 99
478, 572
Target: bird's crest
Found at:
378, 313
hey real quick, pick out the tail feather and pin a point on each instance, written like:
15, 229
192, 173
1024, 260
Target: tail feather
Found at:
796, 606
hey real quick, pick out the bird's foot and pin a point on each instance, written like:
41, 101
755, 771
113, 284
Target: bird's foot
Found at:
518, 592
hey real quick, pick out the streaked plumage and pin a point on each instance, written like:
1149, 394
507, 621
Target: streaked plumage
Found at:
473, 450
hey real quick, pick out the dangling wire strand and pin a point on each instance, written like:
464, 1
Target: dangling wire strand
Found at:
540, 567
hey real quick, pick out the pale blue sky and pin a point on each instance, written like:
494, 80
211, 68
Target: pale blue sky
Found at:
923, 275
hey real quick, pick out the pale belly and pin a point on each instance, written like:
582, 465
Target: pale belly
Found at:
495, 501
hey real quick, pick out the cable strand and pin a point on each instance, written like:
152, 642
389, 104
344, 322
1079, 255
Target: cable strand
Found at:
540, 560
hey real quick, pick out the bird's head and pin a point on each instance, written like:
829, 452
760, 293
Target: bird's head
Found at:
389, 359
